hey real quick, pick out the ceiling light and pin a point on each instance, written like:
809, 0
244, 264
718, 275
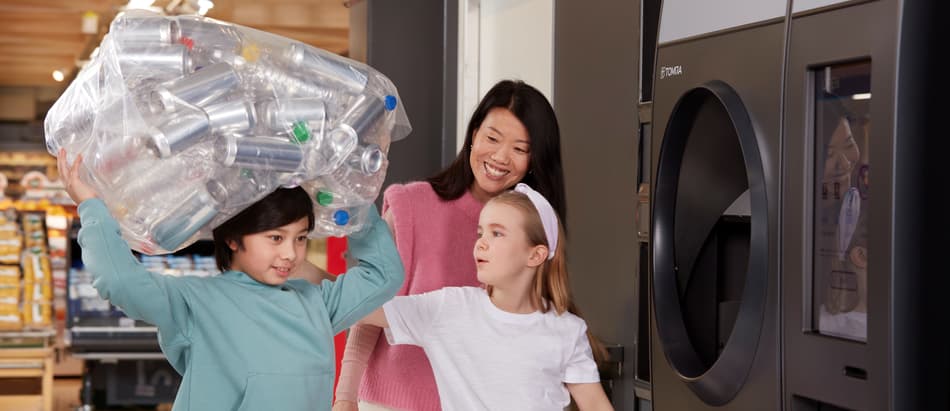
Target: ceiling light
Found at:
58, 75
204, 6
861, 96
90, 22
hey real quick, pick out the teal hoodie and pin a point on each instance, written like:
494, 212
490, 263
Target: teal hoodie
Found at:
240, 344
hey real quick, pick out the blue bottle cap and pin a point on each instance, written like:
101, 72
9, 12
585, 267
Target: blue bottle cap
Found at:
390, 103
341, 217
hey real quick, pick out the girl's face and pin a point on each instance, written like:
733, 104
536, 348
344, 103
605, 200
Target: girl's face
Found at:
270, 256
501, 149
503, 254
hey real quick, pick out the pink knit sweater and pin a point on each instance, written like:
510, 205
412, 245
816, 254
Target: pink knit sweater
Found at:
435, 240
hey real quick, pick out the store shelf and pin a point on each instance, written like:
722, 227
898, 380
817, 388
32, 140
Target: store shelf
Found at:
26, 355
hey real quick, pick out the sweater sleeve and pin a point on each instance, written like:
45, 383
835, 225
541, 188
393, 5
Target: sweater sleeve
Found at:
360, 343
397, 202
122, 280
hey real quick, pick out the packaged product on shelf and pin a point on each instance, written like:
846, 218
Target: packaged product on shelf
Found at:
10, 298
9, 287
37, 315
37, 290
9, 276
206, 265
10, 241
57, 237
10, 295
10, 251
10, 318
84, 299
36, 268
181, 265
34, 232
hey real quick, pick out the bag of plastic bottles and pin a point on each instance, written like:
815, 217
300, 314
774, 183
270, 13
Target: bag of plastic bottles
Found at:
185, 121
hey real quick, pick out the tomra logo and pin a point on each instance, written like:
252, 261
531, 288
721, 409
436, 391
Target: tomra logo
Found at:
670, 71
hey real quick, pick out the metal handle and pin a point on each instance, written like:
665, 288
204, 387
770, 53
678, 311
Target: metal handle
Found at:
643, 213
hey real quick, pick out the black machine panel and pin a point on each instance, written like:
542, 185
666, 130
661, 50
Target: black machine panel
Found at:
849, 304
710, 268
796, 210
714, 221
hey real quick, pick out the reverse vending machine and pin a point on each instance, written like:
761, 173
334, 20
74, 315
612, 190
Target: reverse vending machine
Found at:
855, 116
715, 229
786, 237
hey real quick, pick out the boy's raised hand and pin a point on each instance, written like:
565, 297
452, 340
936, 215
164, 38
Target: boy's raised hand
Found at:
77, 189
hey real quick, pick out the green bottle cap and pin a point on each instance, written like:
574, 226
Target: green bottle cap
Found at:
301, 132
324, 198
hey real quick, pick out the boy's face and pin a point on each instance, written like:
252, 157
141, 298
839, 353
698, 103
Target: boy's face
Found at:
502, 252
271, 256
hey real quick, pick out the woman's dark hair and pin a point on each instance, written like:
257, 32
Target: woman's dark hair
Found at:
545, 173
282, 207
832, 112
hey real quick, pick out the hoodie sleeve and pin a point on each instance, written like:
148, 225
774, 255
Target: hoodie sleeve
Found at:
373, 281
122, 280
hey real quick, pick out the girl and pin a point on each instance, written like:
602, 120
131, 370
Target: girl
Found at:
516, 344
512, 137
249, 338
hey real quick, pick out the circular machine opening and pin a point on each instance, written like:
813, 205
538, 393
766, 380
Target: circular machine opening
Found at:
710, 242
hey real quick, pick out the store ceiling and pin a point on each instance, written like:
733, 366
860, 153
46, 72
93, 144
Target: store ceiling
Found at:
40, 36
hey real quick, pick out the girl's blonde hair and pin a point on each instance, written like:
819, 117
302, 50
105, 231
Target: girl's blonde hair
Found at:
550, 288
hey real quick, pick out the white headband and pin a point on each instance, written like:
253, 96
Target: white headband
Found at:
548, 217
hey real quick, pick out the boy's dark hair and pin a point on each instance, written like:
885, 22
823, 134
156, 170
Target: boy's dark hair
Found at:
282, 207
545, 173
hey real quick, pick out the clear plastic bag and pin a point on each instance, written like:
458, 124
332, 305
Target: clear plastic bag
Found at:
185, 121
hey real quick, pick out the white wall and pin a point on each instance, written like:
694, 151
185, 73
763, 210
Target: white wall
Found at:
802, 5
503, 39
680, 19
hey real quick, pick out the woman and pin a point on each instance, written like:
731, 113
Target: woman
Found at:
512, 137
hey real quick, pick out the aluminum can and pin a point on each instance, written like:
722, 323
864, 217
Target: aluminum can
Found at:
179, 132
184, 221
145, 30
368, 159
231, 116
326, 67
165, 61
280, 115
358, 120
200, 88
259, 153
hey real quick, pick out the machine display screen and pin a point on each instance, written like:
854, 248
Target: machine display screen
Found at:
841, 191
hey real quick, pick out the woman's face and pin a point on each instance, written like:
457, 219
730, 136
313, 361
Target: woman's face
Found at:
501, 150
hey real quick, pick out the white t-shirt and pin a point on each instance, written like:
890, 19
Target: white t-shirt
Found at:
484, 358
